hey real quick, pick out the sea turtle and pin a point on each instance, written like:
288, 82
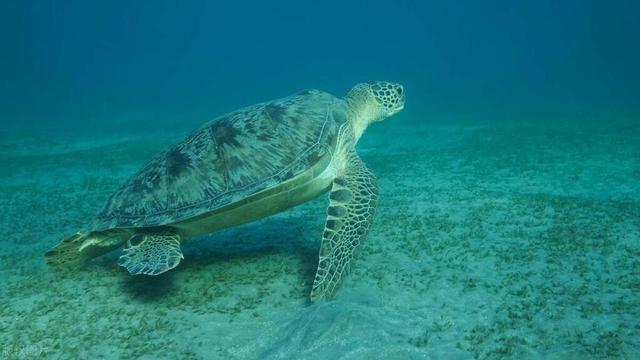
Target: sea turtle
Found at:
243, 166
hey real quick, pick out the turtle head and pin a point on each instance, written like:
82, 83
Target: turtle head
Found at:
388, 96
372, 102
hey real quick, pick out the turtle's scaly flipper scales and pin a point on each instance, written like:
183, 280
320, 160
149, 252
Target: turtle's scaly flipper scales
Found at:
352, 203
152, 254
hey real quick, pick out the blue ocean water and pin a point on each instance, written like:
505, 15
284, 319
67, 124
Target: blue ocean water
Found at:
508, 224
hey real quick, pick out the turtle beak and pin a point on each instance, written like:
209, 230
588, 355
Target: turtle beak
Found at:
400, 102
396, 110
400, 91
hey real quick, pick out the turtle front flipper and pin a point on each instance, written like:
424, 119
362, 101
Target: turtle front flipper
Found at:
152, 253
352, 203
75, 250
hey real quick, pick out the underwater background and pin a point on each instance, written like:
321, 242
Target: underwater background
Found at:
508, 224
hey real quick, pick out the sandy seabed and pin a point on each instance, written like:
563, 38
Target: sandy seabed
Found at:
493, 239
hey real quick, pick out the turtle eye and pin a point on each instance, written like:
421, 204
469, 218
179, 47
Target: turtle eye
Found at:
399, 90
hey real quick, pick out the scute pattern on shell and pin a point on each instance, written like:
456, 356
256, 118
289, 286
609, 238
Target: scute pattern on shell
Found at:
228, 159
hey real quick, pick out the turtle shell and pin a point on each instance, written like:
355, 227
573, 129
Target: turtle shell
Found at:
228, 159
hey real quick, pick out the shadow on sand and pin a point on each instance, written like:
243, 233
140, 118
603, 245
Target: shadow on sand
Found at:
283, 235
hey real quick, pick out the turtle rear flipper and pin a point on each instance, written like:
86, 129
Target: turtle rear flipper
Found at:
152, 253
75, 250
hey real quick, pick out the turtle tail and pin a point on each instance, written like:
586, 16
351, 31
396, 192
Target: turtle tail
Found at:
77, 249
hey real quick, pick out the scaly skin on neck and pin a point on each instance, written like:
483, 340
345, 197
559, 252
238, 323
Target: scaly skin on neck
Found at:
363, 110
